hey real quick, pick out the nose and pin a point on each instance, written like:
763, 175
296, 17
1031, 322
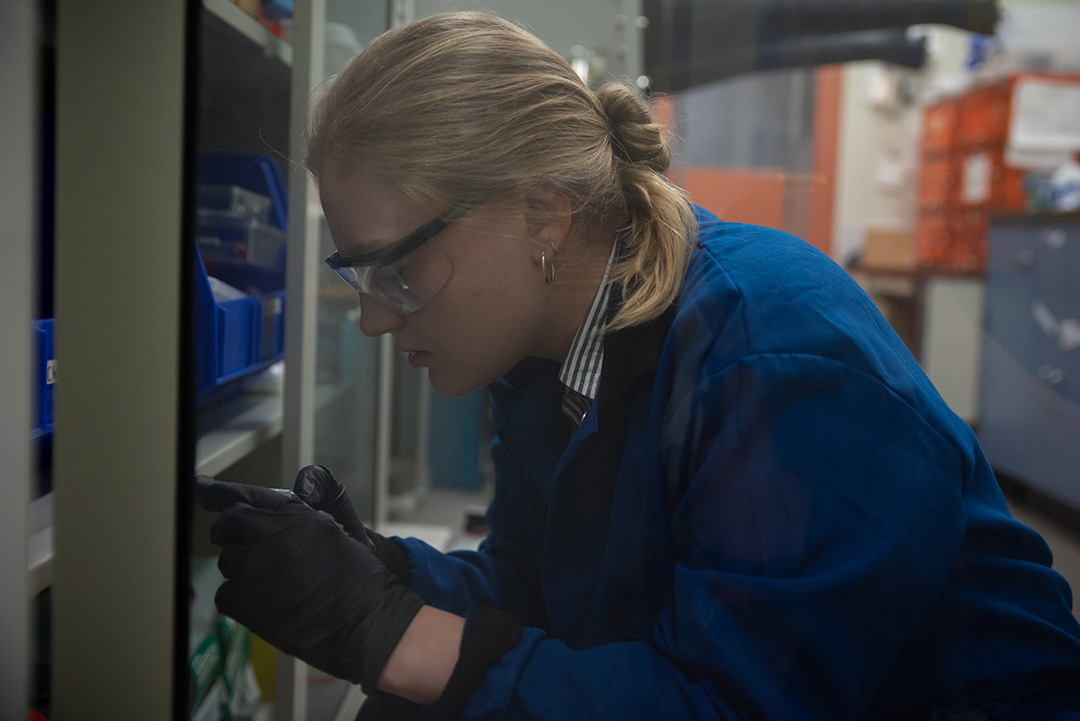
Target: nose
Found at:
376, 320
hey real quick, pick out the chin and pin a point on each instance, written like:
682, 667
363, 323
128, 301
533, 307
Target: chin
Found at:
451, 386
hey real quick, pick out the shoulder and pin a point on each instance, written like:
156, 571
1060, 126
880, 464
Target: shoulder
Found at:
775, 270
753, 292
771, 289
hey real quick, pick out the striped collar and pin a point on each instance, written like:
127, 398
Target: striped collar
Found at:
580, 372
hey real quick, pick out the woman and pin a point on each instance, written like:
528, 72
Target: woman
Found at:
724, 487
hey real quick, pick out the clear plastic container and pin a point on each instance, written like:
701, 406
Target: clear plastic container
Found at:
234, 200
226, 236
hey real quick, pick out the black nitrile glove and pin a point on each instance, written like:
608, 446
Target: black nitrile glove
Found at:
298, 580
317, 486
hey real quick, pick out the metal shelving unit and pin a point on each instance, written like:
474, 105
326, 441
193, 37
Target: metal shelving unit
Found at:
231, 15
234, 430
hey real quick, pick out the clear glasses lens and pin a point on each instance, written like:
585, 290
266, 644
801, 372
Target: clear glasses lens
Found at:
402, 287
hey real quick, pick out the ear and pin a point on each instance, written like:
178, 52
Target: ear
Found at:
548, 214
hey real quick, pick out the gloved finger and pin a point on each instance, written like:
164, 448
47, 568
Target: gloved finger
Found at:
215, 495
244, 524
317, 486
320, 489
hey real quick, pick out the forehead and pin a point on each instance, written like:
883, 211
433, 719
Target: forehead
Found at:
365, 213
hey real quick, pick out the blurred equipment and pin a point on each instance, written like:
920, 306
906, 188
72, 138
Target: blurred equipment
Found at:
694, 42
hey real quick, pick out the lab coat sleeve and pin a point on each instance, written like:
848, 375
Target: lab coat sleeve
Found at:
502, 573
815, 514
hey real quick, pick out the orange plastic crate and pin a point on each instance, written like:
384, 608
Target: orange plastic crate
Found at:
984, 114
941, 127
939, 182
933, 241
986, 111
951, 242
968, 230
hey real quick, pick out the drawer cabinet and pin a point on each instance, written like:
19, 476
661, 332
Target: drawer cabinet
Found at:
1029, 394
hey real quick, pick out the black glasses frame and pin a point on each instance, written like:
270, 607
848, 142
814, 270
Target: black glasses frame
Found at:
390, 254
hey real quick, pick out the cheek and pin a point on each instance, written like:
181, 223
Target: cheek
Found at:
486, 310
480, 339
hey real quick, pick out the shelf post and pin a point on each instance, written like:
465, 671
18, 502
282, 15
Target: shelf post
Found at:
301, 311
122, 110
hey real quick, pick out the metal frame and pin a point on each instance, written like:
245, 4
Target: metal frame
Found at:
301, 287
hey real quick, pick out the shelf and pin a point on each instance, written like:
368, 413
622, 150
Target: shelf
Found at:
250, 28
229, 431
234, 428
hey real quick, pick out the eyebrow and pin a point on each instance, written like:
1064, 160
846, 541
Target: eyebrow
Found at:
397, 250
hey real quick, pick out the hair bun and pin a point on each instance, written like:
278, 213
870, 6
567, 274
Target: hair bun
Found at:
636, 138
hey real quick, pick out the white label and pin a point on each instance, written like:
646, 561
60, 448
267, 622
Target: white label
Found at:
50, 372
1069, 337
1045, 115
977, 175
278, 306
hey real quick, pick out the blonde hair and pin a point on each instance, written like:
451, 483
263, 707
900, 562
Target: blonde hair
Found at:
464, 106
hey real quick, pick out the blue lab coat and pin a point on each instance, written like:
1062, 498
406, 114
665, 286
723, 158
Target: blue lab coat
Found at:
768, 513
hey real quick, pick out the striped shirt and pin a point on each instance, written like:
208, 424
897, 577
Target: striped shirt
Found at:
580, 372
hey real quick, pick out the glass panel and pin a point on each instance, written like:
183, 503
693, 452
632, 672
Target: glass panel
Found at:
347, 362
820, 123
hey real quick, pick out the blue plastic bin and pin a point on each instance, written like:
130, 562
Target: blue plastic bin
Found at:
45, 366
234, 338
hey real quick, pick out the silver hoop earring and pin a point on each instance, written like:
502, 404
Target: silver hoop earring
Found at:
545, 264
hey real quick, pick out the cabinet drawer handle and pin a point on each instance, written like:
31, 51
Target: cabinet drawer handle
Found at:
1051, 376
1054, 238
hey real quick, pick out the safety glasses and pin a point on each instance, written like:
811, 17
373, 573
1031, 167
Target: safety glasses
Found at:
395, 276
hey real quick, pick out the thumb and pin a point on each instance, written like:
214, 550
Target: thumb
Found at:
317, 486
215, 495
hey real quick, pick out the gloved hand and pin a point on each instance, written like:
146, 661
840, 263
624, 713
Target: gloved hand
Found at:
317, 486
298, 580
